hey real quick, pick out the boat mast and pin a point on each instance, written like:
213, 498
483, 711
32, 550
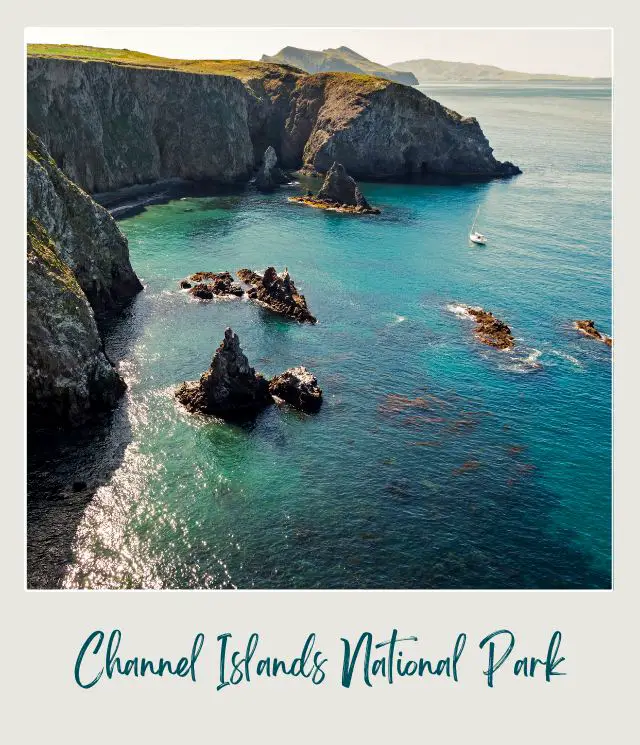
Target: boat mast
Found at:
474, 220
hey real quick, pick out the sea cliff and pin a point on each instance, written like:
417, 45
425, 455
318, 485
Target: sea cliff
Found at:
78, 270
139, 119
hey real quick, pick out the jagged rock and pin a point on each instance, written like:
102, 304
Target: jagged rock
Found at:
491, 330
340, 193
588, 328
210, 284
249, 276
277, 292
269, 176
298, 387
230, 388
340, 188
69, 378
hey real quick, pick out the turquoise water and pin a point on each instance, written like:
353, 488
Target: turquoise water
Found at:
435, 461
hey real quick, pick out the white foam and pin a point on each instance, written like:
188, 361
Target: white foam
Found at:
458, 309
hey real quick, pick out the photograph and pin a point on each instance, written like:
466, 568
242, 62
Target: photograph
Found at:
318, 308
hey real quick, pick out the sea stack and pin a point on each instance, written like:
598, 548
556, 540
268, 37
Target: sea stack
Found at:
269, 176
230, 388
339, 193
277, 292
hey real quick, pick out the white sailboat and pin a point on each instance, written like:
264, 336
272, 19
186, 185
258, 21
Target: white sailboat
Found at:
474, 236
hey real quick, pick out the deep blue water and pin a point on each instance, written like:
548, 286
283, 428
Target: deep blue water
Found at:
435, 461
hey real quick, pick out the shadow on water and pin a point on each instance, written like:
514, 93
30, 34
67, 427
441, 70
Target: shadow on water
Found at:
64, 470
63, 474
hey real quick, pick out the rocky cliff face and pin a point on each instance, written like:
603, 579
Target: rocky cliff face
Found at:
87, 238
109, 126
69, 377
135, 125
77, 269
382, 130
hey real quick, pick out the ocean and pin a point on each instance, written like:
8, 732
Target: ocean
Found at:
435, 461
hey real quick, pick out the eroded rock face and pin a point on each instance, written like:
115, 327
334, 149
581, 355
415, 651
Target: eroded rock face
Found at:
382, 130
69, 378
298, 387
588, 328
277, 292
230, 388
87, 238
110, 126
491, 330
269, 176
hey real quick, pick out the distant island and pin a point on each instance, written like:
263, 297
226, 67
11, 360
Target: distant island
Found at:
341, 59
441, 71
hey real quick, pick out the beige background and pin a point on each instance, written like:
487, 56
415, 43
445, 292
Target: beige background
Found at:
42, 631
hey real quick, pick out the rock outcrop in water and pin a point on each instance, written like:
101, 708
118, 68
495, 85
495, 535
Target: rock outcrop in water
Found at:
269, 176
489, 329
588, 328
144, 120
210, 284
231, 388
78, 270
277, 292
298, 387
339, 193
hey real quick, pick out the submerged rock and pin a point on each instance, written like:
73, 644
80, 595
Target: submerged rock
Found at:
230, 388
277, 292
269, 176
210, 284
491, 330
298, 387
339, 193
588, 328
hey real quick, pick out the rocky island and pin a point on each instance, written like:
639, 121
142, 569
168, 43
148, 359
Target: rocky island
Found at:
588, 328
489, 329
339, 193
277, 292
231, 388
209, 284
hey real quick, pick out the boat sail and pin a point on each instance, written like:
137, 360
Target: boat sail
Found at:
474, 236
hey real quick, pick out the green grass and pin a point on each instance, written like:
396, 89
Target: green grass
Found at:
238, 68
243, 69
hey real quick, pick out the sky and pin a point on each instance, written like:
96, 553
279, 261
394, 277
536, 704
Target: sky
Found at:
562, 51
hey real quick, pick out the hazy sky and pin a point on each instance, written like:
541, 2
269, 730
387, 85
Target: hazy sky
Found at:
564, 51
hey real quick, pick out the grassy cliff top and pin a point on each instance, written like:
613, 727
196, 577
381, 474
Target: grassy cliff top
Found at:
243, 69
